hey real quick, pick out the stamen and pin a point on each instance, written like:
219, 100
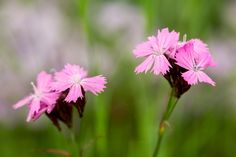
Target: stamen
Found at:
184, 37
34, 87
37, 93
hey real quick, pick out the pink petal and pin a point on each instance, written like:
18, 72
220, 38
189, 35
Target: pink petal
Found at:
33, 108
74, 93
63, 78
161, 36
203, 60
191, 77
43, 81
35, 105
185, 57
50, 98
201, 48
30, 115
161, 65
23, 102
37, 115
166, 39
33, 115
153, 43
202, 77
143, 50
145, 65
71, 69
62, 82
50, 108
171, 53
94, 84
61, 86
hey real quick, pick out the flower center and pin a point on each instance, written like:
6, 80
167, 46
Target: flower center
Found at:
76, 79
196, 67
157, 52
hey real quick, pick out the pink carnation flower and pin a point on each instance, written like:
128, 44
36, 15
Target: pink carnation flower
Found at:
194, 62
43, 98
74, 78
154, 50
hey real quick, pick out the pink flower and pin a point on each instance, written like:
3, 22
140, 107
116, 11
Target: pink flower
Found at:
155, 51
74, 78
43, 99
194, 62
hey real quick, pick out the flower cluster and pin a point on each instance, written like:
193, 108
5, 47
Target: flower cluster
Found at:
180, 62
56, 95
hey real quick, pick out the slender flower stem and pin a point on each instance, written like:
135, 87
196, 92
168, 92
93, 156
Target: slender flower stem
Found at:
164, 120
73, 140
74, 144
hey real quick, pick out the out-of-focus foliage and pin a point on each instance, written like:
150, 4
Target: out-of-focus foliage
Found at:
194, 17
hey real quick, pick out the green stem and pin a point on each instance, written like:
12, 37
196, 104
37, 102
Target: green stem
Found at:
164, 120
74, 144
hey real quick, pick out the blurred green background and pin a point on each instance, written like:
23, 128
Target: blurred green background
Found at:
99, 35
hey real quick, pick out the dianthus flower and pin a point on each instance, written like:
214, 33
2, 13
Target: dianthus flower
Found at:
156, 52
74, 79
42, 100
180, 62
194, 60
57, 97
